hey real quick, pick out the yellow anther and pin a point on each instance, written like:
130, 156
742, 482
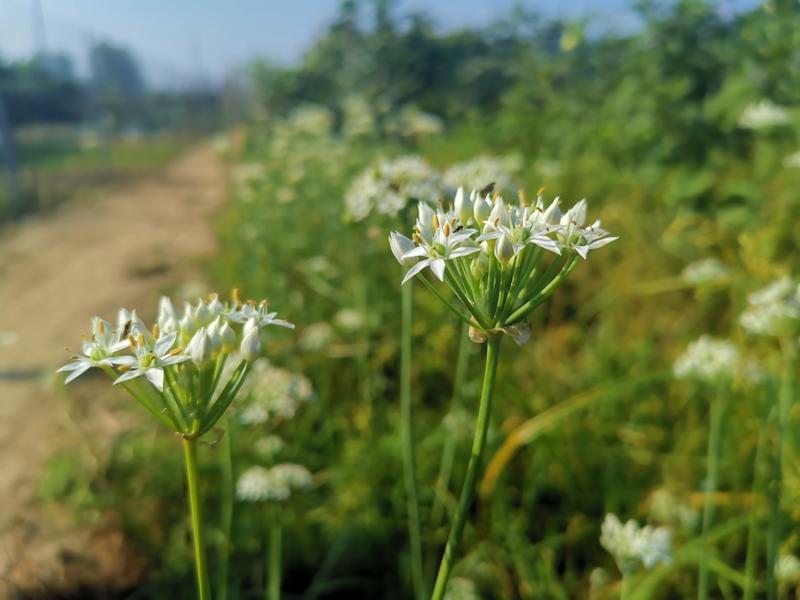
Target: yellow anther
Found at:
523, 199
447, 229
155, 331
435, 221
235, 296
540, 191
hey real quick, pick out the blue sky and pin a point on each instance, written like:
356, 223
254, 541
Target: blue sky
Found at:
177, 38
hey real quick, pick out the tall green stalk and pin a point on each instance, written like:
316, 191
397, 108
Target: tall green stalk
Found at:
274, 553
201, 568
785, 397
712, 475
473, 468
226, 508
449, 447
751, 558
409, 471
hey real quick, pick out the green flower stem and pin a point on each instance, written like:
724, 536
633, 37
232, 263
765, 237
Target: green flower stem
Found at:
406, 433
473, 468
274, 554
785, 397
444, 300
449, 448
712, 475
625, 588
201, 568
541, 296
226, 508
751, 558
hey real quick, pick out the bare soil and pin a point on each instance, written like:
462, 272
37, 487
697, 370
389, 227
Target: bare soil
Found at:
120, 247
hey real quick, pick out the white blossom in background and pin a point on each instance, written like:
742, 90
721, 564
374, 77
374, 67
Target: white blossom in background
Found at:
359, 120
792, 161
349, 319
704, 272
269, 446
411, 122
772, 308
310, 119
707, 359
787, 569
272, 392
316, 337
389, 186
477, 173
259, 484
764, 114
633, 546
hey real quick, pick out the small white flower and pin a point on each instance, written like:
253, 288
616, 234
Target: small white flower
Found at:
150, 361
400, 246
258, 484
707, 359
97, 351
772, 308
705, 272
764, 115
579, 238
259, 314
447, 243
787, 569
633, 546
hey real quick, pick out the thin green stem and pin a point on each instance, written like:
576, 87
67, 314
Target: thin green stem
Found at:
449, 448
407, 439
785, 396
444, 300
274, 555
226, 507
201, 568
712, 475
473, 468
626, 587
751, 559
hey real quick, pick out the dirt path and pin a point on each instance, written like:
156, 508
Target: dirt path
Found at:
120, 248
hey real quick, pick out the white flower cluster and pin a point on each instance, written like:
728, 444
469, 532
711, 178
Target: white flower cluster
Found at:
764, 115
772, 308
201, 334
411, 122
787, 569
707, 359
388, 187
633, 546
480, 171
705, 272
461, 588
491, 250
272, 392
259, 484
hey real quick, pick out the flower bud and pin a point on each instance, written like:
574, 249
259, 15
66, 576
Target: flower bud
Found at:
250, 325
400, 245
462, 206
482, 209
479, 265
552, 215
202, 314
215, 307
228, 336
188, 326
504, 250
214, 335
251, 345
200, 347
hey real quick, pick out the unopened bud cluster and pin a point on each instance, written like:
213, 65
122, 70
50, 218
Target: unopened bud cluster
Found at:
175, 370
